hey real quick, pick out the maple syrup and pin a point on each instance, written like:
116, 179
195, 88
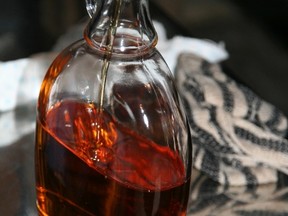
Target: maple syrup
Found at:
115, 177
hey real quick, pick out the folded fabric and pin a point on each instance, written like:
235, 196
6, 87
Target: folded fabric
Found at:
20, 82
238, 138
20, 79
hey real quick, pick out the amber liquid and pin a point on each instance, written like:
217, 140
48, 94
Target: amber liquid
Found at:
87, 164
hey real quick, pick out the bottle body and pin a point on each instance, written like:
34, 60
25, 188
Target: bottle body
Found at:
132, 156
112, 138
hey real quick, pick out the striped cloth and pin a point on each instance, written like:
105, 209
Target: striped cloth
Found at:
238, 138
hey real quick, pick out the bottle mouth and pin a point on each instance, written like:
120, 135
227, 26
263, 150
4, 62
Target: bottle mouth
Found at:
120, 27
124, 42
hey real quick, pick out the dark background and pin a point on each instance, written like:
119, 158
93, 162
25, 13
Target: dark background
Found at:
255, 33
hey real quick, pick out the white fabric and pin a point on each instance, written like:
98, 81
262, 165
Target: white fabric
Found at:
20, 79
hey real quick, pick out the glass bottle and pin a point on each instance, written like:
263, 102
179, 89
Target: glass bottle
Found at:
111, 136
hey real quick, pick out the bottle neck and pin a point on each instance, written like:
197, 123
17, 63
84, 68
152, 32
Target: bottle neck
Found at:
121, 27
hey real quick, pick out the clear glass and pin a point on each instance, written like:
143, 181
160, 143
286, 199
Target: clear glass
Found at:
111, 137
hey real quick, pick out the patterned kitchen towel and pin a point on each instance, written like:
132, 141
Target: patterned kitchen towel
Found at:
238, 138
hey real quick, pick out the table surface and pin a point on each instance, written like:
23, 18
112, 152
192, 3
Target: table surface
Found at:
17, 191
